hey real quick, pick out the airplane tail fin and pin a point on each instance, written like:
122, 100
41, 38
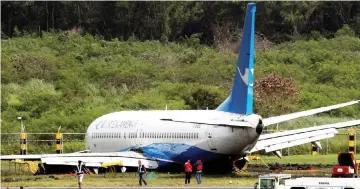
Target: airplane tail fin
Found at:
240, 99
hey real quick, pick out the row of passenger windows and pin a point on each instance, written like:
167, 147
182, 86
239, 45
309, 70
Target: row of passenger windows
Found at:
146, 135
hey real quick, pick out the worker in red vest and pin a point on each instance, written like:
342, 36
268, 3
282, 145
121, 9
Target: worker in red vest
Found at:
188, 170
199, 167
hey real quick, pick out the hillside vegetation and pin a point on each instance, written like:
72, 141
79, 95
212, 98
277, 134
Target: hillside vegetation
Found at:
69, 79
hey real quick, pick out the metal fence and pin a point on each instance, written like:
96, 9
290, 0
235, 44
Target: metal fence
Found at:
42, 142
72, 142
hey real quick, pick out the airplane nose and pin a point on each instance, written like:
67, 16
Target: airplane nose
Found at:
260, 127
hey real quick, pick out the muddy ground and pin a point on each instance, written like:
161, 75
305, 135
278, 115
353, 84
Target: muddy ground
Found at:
294, 169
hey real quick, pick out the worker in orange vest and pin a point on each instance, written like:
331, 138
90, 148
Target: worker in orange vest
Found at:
188, 170
199, 168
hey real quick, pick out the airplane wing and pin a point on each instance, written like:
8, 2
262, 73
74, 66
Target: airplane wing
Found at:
276, 141
282, 118
128, 159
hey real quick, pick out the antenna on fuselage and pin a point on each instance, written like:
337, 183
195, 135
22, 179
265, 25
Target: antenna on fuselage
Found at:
166, 107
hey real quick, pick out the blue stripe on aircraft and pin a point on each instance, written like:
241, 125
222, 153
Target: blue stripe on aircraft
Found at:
176, 152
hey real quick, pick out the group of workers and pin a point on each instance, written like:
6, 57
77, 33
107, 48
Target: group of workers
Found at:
188, 169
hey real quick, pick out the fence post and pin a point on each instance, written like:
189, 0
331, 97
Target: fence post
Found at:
352, 142
314, 150
23, 142
327, 146
59, 142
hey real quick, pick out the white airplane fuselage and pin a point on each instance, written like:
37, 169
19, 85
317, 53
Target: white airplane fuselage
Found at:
175, 141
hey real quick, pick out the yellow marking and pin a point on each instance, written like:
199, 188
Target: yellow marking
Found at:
58, 147
352, 132
351, 143
58, 136
23, 146
110, 163
22, 136
254, 157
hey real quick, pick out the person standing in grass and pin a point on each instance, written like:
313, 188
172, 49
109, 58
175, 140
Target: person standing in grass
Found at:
80, 173
199, 167
141, 171
188, 170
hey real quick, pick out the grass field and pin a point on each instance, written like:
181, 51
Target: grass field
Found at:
124, 179
167, 179
300, 159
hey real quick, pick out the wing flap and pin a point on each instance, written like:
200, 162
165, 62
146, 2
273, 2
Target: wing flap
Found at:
298, 142
276, 141
282, 118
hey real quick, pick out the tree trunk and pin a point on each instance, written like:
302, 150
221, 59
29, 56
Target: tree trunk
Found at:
52, 15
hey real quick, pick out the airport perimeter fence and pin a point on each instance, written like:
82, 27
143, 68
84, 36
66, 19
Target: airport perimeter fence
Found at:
42, 142
73, 142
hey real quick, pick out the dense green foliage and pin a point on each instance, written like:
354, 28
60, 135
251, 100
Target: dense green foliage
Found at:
68, 79
216, 21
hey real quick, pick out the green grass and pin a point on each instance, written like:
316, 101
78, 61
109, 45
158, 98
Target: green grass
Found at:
301, 159
10, 179
123, 179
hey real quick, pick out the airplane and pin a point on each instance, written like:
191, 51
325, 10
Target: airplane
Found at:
163, 138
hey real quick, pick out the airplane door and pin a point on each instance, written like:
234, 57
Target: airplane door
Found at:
210, 138
139, 138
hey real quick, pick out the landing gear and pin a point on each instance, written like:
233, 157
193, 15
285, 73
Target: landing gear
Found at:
240, 165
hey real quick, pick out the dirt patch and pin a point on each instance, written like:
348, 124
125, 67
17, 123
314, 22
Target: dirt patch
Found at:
294, 169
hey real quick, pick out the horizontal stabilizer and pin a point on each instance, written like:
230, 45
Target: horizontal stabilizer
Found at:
282, 118
225, 123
